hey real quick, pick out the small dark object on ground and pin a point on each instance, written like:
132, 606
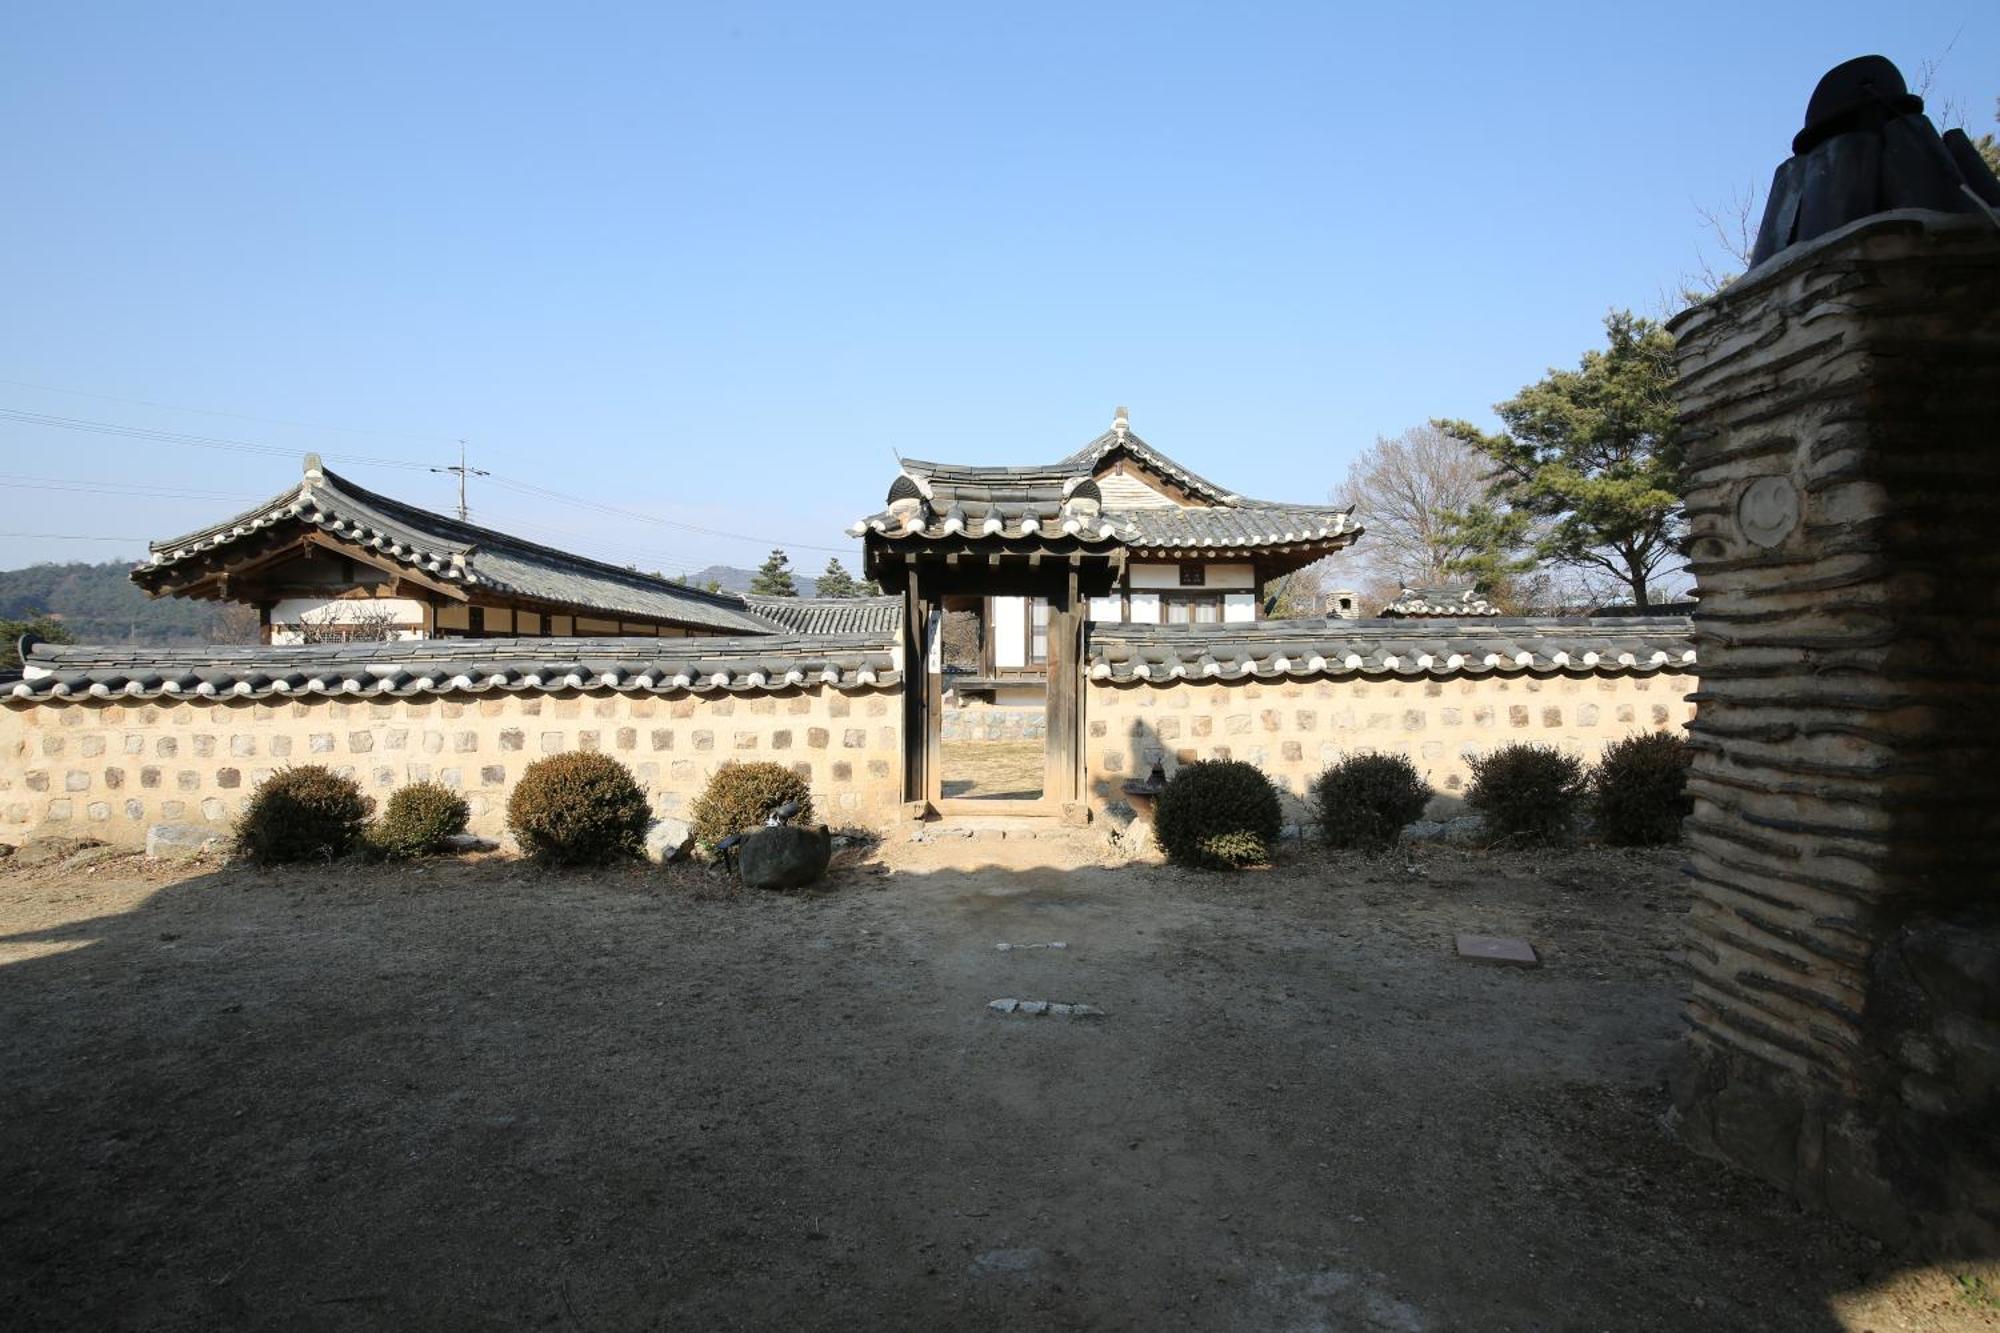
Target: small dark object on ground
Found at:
783, 856
1365, 800
304, 813
1527, 793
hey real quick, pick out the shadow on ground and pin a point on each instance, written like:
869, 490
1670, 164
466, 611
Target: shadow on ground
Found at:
477, 1095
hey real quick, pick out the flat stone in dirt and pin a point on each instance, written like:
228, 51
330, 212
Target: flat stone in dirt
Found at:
51, 847
181, 842
1497, 949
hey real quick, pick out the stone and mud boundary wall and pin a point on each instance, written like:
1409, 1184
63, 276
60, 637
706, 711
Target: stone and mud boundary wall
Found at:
1294, 729
109, 769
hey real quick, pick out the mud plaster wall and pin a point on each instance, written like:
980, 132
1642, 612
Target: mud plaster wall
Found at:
109, 769
1843, 956
1295, 729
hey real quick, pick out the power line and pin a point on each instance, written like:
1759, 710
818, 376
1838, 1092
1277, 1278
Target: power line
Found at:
98, 487
234, 416
181, 437
528, 488
463, 470
68, 537
276, 451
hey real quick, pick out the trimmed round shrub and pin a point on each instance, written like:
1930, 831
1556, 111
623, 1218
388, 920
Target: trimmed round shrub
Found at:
1527, 793
1638, 791
1365, 799
305, 813
418, 819
740, 797
1218, 814
579, 808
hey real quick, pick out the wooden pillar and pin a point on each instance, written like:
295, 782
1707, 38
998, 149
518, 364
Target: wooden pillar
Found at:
919, 681
1060, 784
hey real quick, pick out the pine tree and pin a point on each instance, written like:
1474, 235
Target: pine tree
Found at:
1587, 473
774, 577
836, 581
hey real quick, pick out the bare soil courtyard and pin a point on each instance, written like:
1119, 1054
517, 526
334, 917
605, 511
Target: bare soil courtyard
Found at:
473, 1095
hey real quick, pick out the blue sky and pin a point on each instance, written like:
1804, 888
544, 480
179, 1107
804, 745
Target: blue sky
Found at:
714, 264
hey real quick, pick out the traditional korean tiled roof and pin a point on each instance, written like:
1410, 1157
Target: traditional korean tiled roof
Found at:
1455, 603
451, 666
1295, 649
830, 615
450, 551
936, 501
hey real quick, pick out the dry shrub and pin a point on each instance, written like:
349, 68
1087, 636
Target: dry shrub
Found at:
740, 797
1527, 793
418, 820
1218, 814
1365, 800
1638, 791
304, 813
579, 808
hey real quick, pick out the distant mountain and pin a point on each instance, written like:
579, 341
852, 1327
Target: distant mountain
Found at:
732, 579
101, 604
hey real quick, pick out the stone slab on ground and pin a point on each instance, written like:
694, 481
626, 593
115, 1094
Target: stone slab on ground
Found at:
1501, 949
1037, 1008
181, 842
52, 847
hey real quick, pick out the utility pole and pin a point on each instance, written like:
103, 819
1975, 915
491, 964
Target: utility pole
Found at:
463, 472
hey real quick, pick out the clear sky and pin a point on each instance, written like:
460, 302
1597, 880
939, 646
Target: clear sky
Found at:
714, 264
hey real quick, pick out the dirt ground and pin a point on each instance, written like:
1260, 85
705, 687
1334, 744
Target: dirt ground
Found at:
472, 1095
993, 770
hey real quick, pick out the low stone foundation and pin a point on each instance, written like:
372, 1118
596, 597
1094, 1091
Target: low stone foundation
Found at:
980, 719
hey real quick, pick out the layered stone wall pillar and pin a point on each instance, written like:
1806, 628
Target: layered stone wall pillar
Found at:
1843, 482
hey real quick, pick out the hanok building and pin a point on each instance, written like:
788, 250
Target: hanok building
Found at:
1002, 568
328, 561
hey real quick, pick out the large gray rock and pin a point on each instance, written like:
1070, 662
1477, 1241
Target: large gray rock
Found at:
182, 842
669, 839
783, 857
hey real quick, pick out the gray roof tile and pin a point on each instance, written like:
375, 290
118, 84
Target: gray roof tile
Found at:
445, 666
1430, 648
461, 553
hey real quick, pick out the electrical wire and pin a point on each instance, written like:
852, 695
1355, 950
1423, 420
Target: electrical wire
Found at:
99, 487
509, 483
69, 537
233, 416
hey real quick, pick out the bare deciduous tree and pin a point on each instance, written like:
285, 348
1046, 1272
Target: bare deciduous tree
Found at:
1404, 491
235, 622
362, 622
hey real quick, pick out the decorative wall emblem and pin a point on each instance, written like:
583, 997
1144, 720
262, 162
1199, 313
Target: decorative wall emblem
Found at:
1768, 510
